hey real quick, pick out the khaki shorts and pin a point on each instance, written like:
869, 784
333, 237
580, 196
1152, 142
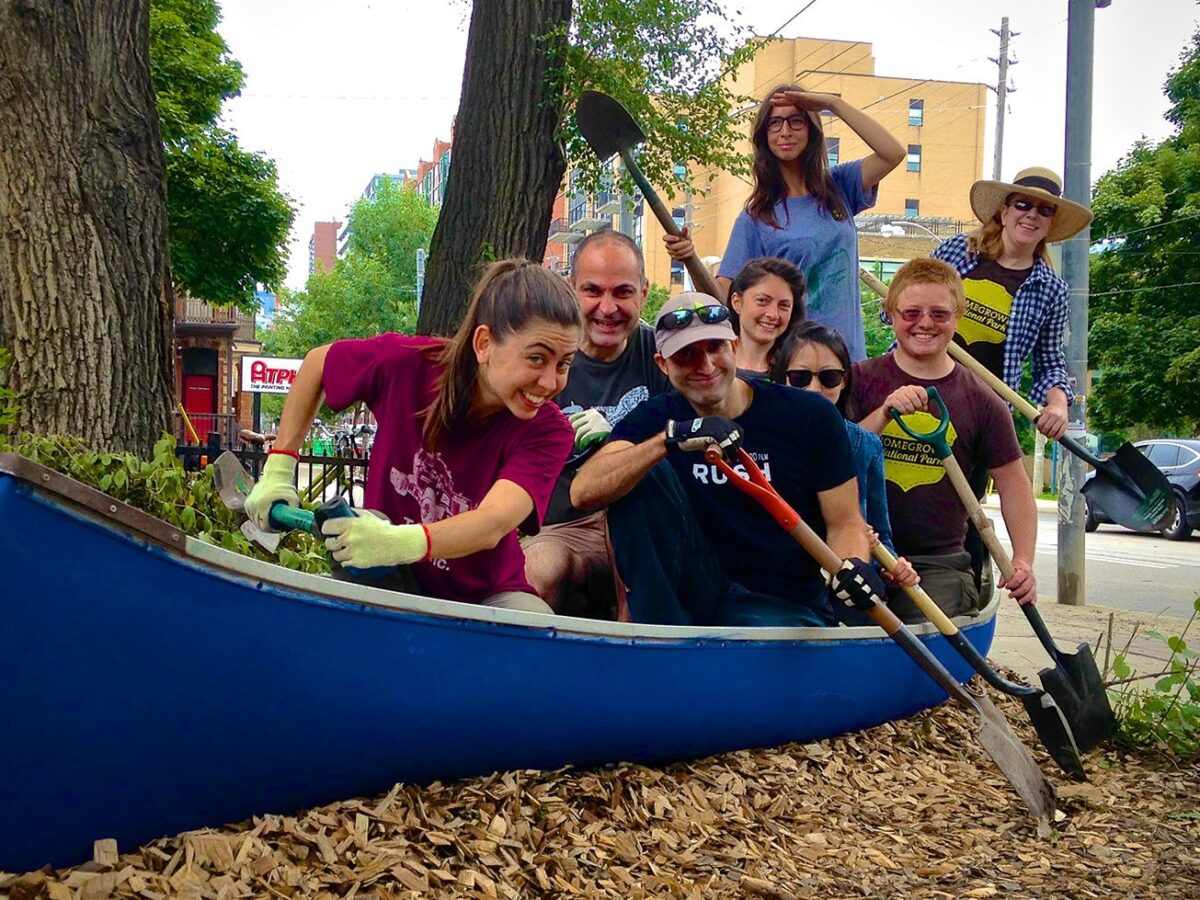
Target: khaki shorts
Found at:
587, 538
948, 579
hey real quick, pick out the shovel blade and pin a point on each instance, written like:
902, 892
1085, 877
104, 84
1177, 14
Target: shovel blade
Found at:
606, 125
1013, 759
1055, 733
1077, 688
232, 480
1131, 490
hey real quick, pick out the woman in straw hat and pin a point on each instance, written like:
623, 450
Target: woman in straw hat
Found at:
1016, 304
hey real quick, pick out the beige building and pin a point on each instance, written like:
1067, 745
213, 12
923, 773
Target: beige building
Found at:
941, 122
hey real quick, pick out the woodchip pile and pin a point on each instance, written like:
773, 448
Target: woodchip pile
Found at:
908, 809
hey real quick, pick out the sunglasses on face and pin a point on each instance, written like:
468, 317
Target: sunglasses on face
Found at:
829, 378
795, 122
681, 318
1044, 209
941, 316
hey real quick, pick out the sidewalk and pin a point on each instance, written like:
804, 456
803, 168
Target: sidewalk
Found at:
1016, 646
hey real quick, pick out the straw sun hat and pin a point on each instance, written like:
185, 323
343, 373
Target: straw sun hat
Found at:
987, 197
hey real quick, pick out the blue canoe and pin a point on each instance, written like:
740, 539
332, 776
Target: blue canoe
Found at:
151, 683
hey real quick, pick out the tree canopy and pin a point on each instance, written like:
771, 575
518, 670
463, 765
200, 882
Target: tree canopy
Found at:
372, 289
227, 217
1144, 338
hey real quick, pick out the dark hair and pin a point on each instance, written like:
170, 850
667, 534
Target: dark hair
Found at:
608, 236
754, 272
816, 333
511, 294
769, 186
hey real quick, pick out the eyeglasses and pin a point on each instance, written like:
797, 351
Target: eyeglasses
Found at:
829, 378
795, 122
940, 316
1044, 209
681, 318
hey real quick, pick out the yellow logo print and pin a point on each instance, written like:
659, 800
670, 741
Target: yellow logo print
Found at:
988, 308
909, 463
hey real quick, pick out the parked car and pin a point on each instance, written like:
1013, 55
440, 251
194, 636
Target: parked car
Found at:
1179, 460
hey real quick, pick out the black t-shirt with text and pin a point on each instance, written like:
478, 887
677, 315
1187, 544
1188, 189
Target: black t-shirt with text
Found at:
990, 289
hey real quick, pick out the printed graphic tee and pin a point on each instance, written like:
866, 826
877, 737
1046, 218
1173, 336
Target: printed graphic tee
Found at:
798, 440
990, 289
410, 484
927, 516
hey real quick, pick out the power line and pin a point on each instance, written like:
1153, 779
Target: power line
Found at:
1120, 234
792, 19
1149, 287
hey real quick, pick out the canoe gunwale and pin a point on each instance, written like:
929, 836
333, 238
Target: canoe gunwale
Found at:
55, 488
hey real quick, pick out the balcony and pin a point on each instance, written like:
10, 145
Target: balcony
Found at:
200, 318
561, 233
585, 217
608, 203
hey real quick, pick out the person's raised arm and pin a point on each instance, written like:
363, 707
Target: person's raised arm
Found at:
1020, 518
680, 248
302, 402
615, 470
887, 152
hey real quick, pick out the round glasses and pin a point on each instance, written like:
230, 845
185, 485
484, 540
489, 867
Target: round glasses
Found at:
795, 122
829, 378
682, 317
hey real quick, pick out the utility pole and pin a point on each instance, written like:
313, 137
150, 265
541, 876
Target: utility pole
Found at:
1002, 91
1077, 186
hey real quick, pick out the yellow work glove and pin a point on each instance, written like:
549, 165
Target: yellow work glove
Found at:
277, 483
367, 542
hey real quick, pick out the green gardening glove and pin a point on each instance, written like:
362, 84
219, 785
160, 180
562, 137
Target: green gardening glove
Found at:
591, 428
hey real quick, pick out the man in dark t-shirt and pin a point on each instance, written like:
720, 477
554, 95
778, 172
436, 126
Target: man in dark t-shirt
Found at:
693, 549
614, 371
929, 521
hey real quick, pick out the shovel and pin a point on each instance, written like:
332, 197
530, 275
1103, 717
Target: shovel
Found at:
608, 128
994, 733
1128, 487
1074, 682
1047, 718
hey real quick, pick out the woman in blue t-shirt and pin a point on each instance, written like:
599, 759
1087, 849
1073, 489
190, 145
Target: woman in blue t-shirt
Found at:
802, 210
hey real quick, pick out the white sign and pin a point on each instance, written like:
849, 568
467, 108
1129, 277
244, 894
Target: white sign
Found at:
268, 375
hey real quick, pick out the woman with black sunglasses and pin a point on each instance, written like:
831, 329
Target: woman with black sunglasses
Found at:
801, 209
1016, 304
814, 357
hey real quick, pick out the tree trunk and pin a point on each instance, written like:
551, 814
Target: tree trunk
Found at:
506, 166
86, 306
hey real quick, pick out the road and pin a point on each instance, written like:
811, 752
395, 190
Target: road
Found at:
1125, 570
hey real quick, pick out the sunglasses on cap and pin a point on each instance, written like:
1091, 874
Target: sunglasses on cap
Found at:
794, 122
681, 318
829, 378
1044, 209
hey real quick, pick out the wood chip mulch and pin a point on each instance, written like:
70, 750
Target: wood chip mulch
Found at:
909, 809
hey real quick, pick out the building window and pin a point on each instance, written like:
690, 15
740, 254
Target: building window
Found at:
912, 208
914, 157
676, 272
916, 112
832, 149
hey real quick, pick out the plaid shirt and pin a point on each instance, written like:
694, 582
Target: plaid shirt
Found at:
1036, 324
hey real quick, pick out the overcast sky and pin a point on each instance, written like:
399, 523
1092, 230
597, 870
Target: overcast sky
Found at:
338, 91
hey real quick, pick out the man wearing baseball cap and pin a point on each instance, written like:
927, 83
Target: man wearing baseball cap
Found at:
691, 548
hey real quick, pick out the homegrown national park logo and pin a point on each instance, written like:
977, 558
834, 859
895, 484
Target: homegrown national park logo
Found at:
988, 308
907, 462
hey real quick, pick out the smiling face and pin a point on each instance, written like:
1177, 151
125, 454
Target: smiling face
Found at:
787, 143
1024, 229
611, 291
703, 372
764, 310
925, 318
817, 358
526, 369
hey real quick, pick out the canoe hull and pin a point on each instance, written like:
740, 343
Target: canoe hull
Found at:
148, 692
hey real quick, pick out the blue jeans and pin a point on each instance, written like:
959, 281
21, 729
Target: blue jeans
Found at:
673, 577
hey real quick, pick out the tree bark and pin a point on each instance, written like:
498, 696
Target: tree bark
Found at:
506, 166
86, 306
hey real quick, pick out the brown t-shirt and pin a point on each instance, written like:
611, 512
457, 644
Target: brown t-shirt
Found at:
927, 516
990, 289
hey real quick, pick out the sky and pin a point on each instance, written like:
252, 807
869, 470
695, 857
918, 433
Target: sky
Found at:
339, 91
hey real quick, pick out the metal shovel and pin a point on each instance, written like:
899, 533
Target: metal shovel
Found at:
608, 128
1047, 718
994, 733
1074, 682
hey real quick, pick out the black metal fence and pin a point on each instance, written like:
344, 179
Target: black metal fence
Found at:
318, 478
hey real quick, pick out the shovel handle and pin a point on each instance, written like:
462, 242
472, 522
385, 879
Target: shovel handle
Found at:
935, 438
288, 518
702, 278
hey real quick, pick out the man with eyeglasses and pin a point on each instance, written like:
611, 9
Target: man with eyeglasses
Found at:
568, 561
929, 523
691, 548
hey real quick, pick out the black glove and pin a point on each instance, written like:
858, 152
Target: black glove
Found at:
697, 434
857, 585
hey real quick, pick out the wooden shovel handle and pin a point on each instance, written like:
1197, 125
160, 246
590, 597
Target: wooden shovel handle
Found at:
975, 511
1020, 404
